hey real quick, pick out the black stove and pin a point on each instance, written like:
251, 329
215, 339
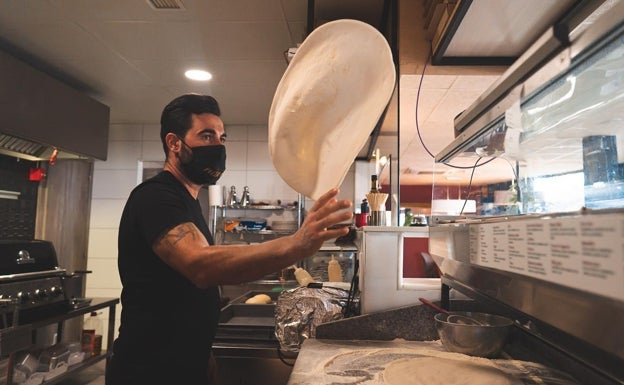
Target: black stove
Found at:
31, 282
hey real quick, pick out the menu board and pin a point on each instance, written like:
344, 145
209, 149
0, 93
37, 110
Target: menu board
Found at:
584, 252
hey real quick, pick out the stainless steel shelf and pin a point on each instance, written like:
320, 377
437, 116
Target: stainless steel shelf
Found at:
18, 338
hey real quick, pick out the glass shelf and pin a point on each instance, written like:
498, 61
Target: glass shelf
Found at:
558, 149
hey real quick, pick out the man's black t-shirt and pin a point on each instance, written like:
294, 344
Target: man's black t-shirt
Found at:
167, 323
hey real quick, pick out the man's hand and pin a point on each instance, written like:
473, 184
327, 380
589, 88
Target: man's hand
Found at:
316, 228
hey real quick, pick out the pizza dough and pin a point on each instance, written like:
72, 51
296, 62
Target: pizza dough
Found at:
259, 299
442, 371
327, 103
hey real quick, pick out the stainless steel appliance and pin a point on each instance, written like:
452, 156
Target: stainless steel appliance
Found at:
546, 246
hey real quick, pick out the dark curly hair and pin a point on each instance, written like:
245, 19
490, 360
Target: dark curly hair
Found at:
176, 116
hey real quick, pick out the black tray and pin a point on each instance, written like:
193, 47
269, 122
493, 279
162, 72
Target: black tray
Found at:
240, 321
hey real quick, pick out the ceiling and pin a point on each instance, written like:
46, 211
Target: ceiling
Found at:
131, 57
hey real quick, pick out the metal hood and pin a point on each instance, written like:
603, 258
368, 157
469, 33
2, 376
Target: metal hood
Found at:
25, 149
41, 115
489, 32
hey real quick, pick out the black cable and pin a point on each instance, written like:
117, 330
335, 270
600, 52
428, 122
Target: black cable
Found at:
349, 308
282, 357
470, 183
422, 77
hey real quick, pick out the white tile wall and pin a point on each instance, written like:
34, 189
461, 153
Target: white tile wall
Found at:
248, 164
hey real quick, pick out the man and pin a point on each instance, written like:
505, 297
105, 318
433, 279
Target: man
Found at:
169, 266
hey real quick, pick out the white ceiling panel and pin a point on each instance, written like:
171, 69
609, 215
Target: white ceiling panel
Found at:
122, 10
150, 40
26, 13
246, 40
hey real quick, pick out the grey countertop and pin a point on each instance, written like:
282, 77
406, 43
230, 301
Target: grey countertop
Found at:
357, 350
323, 362
351, 362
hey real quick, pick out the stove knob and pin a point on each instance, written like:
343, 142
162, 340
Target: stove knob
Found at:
23, 297
41, 293
58, 291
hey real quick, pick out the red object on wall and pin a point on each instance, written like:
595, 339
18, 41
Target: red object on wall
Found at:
413, 262
36, 174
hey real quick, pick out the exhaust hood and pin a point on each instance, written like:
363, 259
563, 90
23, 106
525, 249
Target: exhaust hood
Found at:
25, 149
41, 115
489, 32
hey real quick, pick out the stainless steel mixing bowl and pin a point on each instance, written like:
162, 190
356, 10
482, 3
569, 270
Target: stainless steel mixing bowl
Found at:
484, 340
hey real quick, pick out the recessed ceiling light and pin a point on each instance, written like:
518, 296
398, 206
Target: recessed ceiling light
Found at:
198, 75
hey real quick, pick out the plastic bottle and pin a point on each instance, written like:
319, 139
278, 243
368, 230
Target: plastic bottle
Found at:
334, 271
92, 335
364, 209
408, 217
303, 277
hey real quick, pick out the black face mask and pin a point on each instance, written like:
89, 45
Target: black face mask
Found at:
206, 165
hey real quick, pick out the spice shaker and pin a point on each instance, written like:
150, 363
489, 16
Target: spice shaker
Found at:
245, 199
231, 202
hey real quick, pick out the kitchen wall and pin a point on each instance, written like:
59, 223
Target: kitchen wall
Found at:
248, 164
17, 215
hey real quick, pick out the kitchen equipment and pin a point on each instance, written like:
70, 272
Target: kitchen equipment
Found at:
433, 305
376, 218
419, 220
381, 252
462, 335
453, 318
239, 321
31, 278
377, 201
246, 198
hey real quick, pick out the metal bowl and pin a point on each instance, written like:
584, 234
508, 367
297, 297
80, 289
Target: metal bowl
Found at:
484, 340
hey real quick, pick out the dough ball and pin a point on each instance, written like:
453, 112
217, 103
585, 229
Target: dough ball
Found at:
259, 299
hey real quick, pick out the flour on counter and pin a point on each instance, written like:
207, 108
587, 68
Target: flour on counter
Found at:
444, 371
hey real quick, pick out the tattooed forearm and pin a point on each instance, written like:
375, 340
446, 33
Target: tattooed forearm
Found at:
178, 233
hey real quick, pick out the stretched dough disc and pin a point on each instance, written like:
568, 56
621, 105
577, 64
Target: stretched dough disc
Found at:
442, 371
327, 103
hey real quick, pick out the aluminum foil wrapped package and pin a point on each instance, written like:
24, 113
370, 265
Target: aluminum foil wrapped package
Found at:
298, 312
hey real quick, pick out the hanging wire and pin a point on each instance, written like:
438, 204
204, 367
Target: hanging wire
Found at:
422, 77
470, 183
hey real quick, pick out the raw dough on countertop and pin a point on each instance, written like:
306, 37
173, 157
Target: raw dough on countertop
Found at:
442, 371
